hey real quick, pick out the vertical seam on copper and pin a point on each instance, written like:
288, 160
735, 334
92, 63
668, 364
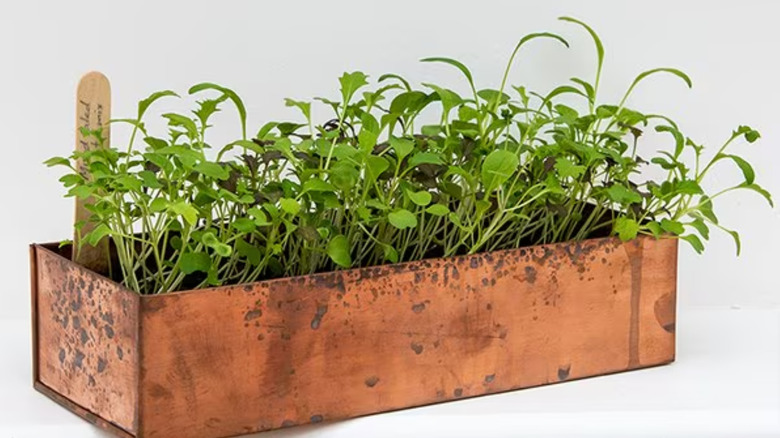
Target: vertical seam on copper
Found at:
34, 309
139, 405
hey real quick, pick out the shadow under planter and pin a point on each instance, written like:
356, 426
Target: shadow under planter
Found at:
240, 359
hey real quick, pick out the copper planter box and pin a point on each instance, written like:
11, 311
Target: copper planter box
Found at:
241, 359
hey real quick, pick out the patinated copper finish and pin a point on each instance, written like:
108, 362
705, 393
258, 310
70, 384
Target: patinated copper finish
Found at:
240, 359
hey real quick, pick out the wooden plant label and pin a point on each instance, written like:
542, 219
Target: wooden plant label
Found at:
93, 110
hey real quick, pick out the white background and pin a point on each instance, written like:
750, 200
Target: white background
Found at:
270, 50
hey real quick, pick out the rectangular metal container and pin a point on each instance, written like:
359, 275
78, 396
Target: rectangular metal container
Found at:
240, 359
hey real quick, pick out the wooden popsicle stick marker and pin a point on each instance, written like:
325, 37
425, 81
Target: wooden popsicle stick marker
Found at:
93, 110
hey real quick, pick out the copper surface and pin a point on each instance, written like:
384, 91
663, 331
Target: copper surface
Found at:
240, 359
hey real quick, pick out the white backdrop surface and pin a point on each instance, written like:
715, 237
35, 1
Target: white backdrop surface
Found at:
270, 50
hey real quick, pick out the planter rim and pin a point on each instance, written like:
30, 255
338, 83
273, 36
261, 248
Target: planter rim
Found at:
399, 267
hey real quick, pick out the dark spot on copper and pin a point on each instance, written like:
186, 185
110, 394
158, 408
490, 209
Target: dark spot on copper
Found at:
92, 381
455, 273
321, 311
93, 321
84, 336
109, 331
435, 277
372, 381
489, 378
530, 274
64, 321
247, 288
417, 308
288, 423
669, 327
78, 360
418, 349
101, 364
119, 353
474, 262
62, 356
316, 418
485, 282
458, 392
107, 317
439, 393
419, 277
563, 372
253, 314
76, 322
489, 306
159, 391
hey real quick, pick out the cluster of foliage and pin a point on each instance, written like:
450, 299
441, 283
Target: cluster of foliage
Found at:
502, 168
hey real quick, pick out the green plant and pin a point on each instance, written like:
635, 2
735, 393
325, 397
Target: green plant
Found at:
372, 185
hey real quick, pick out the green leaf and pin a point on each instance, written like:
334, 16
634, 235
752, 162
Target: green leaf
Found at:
338, 250
149, 179
694, 241
318, 185
567, 169
185, 210
449, 99
401, 146
81, 192
701, 227
438, 210
375, 166
626, 228
230, 94
688, 187
705, 207
129, 182
734, 235
244, 225
391, 254
402, 218
744, 166
622, 195
290, 205
497, 168
259, 216
194, 261
96, 235
424, 158
248, 251
71, 179
760, 190
158, 204
305, 107
751, 135
212, 170
457, 64
210, 240
647, 73
350, 83
184, 122
596, 41
57, 161
144, 104
679, 139
655, 228
374, 203
421, 198
673, 227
